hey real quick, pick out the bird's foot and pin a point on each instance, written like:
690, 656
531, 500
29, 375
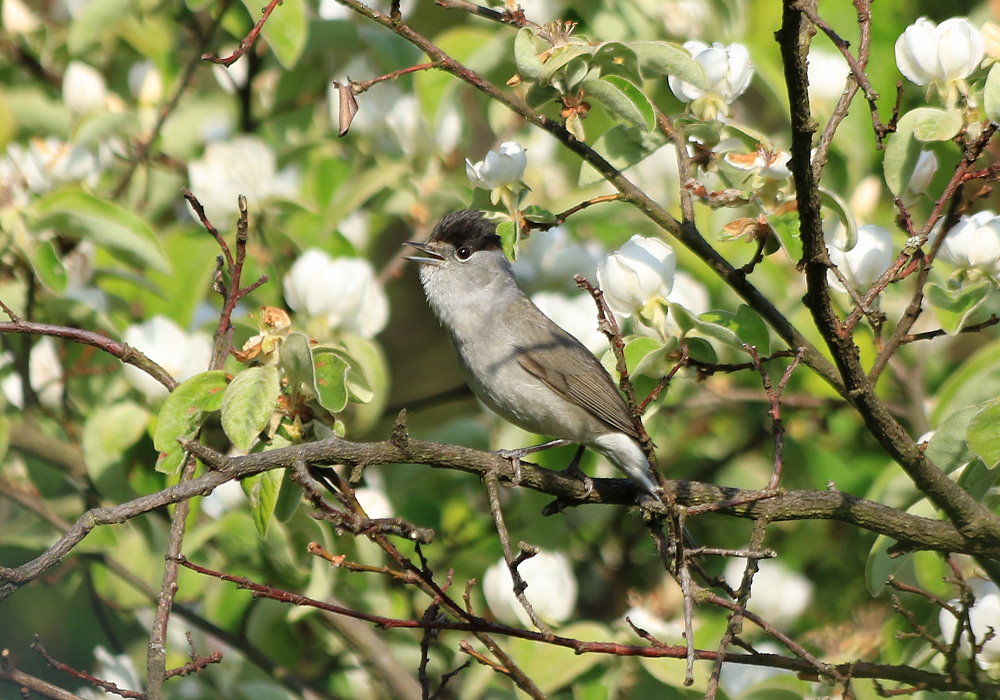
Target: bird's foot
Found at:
515, 456
573, 470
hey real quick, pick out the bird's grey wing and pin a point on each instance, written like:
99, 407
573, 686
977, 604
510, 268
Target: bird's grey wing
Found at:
572, 371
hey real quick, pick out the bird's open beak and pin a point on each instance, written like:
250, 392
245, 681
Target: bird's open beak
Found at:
433, 257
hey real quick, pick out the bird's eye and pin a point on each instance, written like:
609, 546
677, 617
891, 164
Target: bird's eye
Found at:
463, 253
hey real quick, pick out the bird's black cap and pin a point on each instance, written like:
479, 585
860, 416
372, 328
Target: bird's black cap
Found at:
467, 227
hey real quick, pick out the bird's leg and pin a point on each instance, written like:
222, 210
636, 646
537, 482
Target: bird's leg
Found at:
573, 469
515, 456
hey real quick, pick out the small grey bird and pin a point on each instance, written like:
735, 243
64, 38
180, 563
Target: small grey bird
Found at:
518, 362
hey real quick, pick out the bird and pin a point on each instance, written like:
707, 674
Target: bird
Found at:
517, 361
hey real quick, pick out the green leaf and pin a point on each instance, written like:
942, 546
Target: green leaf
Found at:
297, 362
716, 325
931, 124
124, 234
110, 431
903, 147
96, 20
991, 94
285, 29
948, 447
952, 307
562, 57
331, 378
751, 329
529, 67
183, 409
984, 433
538, 214
623, 99
660, 58
786, 228
622, 146
833, 201
615, 58
4, 436
557, 667
262, 490
508, 239
701, 350
48, 268
880, 565
101, 126
539, 95
248, 404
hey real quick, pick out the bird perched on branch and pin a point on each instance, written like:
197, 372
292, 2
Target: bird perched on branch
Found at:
518, 362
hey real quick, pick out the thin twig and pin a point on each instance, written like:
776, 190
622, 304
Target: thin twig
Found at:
247, 42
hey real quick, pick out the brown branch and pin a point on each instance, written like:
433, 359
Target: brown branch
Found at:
807, 663
122, 351
28, 683
560, 218
247, 42
911, 532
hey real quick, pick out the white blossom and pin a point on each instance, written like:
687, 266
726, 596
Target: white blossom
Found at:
638, 273
551, 589
343, 291
224, 498
943, 53
920, 179
83, 88
374, 501
180, 353
728, 71
245, 165
827, 76
17, 17
145, 83
575, 314
550, 259
116, 669
500, 167
44, 372
778, 594
984, 616
41, 166
866, 261
974, 242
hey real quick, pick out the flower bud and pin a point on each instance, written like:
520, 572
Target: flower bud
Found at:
639, 272
500, 167
939, 53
